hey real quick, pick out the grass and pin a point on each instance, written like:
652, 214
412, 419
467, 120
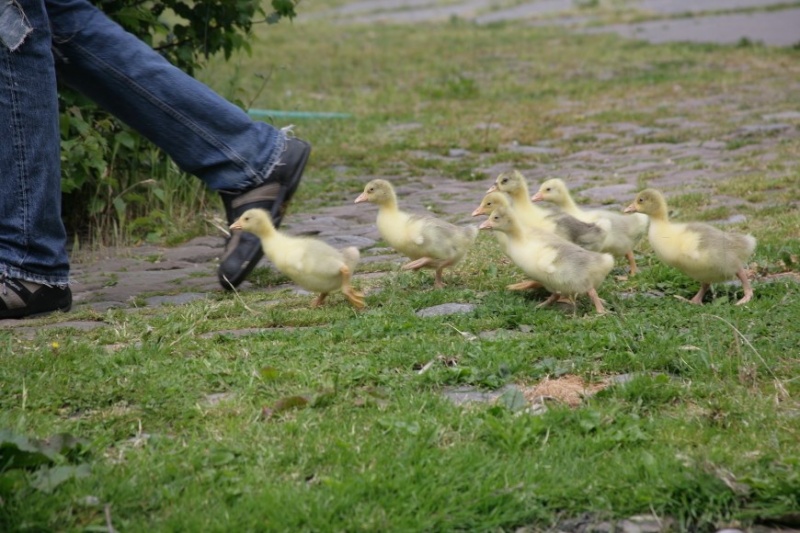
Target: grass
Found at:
379, 447
323, 420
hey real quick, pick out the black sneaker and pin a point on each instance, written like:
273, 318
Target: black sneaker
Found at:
243, 250
22, 299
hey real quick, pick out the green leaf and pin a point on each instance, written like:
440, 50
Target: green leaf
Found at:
513, 399
120, 205
126, 139
18, 451
221, 457
284, 8
47, 479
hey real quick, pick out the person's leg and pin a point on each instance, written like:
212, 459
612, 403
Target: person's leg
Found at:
34, 267
251, 164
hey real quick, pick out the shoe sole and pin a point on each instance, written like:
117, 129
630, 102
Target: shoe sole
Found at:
38, 314
230, 284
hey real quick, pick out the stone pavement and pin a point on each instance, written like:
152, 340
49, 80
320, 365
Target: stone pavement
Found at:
771, 22
607, 171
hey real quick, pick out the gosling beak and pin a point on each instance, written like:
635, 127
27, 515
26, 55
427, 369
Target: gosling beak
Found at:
361, 198
538, 197
486, 224
630, 209
492, 188
236, 225
478, 211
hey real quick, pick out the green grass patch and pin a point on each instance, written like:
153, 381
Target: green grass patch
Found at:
174, 418
755, 188
692, 201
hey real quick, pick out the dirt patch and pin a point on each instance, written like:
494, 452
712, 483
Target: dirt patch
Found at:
569, 389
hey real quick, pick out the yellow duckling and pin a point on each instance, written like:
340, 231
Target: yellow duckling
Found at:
699, 250
489, 203
428, 241
584, 234
514, 185
313, 264
624, 230
562, 267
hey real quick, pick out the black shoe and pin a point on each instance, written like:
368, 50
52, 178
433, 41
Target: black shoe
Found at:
22, 299
243, 250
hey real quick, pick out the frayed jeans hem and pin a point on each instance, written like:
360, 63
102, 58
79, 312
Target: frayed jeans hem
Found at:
274, 160
18, 273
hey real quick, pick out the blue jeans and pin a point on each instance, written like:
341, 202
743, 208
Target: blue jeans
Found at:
202, 132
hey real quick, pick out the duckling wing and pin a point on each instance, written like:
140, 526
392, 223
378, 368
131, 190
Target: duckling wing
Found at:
312, 264
633, 225
723, 249
575, 270
624, 231
700, 251
440, 239
585, 234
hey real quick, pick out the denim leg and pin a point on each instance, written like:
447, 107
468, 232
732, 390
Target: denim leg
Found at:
32, 235
202, 132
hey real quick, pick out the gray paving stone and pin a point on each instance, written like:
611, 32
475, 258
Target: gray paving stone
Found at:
784, 115
674, 7
29, 332
530, 10
775, 28
176, 299
446, 309
344, 241
193, 253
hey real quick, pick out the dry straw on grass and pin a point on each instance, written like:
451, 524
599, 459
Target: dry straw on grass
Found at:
568, 389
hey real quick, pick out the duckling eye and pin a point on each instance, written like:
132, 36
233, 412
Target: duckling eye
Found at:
504, 180
548, 189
